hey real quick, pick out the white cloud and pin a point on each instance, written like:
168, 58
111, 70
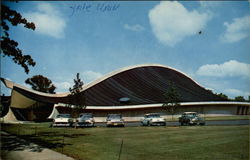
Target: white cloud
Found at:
48, 20
230, 68
239, 29
172, 22
136, 27
63, 86
26, 85
89, 76
8, 79
86, 77
235, 92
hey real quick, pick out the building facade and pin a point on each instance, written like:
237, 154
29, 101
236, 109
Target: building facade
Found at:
131, 91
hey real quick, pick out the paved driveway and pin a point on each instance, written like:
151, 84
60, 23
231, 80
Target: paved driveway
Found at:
208, 123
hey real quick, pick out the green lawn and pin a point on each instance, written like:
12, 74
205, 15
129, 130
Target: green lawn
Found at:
141, 143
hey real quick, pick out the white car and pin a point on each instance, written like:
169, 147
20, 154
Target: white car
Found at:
151, 119
85, 119
115, 120
62, 120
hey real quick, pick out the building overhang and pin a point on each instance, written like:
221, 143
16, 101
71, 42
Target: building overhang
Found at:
159, 105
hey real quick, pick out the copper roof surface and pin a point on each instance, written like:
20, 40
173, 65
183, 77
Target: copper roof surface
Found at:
142, 84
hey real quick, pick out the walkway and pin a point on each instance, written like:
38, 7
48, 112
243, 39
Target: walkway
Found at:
14, 148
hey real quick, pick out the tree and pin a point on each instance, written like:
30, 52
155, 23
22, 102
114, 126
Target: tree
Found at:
239, 99
9, 47
172, 99
223, 96
41, 83
77, 97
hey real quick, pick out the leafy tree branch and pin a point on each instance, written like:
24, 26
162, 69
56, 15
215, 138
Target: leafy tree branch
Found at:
9, 47
41, 83
172, 98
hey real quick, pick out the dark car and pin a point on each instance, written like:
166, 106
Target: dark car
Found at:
191, 118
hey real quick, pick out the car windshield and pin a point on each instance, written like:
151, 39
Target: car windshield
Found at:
114, 116
153, 116
191, 115
86, 116
63, 116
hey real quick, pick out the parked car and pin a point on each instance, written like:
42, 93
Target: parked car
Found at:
115, 120
151, 119
85, 119
64, 120
191, 118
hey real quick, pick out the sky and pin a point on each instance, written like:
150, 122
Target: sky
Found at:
94, 38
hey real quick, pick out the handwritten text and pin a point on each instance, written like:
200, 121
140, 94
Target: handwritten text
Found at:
99, 7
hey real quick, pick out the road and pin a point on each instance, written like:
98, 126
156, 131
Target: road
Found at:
208, 123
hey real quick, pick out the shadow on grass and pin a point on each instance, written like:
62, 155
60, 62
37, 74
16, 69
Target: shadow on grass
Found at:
56, 134
35, 143
12, 143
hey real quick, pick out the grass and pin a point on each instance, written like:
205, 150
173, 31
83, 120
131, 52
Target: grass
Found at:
141, 143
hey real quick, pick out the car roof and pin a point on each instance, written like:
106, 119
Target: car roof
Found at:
189, 112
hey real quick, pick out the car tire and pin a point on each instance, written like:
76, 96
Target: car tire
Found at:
148, 124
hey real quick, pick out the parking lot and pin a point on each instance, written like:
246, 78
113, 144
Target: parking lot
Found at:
208, 123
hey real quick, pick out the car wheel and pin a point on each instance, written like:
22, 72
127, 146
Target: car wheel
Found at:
148, 124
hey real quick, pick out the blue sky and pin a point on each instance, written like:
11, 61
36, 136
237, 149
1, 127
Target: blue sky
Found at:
95, 38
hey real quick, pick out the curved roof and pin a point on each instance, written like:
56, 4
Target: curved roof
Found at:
142, 84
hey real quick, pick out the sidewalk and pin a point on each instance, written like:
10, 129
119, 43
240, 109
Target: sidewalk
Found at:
14, 148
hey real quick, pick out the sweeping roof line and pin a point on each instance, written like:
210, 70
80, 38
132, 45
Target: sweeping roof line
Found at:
133, 67
11, 84
159, 105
